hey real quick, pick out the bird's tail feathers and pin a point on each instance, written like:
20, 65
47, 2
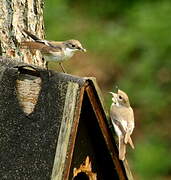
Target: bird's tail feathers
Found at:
24, 44
128, 139
131, 143
31, 35
122, 148
27, 44
31, 45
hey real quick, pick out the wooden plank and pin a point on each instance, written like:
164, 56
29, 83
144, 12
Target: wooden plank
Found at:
65, 130
74, 132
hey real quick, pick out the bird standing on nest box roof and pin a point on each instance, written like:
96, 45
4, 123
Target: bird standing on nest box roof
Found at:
53, 50
122, 117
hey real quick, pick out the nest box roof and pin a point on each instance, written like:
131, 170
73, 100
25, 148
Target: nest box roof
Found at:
51, 122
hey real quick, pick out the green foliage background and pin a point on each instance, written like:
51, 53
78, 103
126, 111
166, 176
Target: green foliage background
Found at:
129, 45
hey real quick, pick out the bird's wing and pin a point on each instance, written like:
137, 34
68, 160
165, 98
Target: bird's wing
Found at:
120, 126
52, 44
40, 46
125, 133
124, 119
130, 126
31, 35
118, 119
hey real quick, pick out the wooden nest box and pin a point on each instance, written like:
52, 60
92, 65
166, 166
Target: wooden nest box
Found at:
54, 126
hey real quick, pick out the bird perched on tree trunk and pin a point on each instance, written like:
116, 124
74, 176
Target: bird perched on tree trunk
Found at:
122, 117
54, 50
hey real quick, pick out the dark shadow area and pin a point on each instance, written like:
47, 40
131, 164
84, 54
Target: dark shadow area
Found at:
90, 142
81, 176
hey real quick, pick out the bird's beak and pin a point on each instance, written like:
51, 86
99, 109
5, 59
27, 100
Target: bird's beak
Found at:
114, 96
82, 49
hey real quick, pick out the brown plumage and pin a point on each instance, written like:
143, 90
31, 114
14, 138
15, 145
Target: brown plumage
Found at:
122, 117
40, 46
53, 50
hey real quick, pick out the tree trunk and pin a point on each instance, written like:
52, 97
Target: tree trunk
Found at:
16, 15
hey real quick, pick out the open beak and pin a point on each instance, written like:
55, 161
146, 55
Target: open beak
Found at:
112, 93
114, 96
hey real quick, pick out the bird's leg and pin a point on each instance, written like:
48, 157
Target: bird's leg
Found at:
63, 69
49, 72
47, 65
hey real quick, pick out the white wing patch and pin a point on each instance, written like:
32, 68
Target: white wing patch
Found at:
117, 130
124, 124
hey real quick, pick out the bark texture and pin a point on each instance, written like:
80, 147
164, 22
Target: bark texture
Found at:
28, 89
16, 15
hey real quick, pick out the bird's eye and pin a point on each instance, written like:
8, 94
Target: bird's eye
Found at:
73, 45
120, 97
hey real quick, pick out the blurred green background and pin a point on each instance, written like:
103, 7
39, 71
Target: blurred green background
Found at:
128, 44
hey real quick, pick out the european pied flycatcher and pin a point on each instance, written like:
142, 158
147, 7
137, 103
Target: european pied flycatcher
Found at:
53, 50
122, 117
